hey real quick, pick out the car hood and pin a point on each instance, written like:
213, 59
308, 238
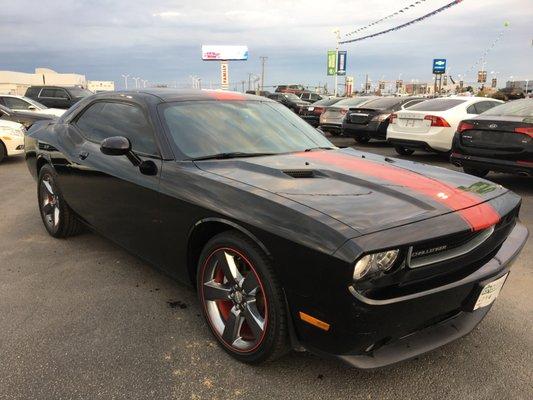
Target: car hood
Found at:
365, 191
9, 124
51, 111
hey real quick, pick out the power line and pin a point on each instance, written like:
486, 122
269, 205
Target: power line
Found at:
438, 10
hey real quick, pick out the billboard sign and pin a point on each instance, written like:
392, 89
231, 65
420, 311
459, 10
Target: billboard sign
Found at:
224, 53
224, 75
494, 82
341, 63
332, 63
482, 76
439, 66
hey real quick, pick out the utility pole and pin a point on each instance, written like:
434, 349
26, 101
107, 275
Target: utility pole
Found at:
366, 84
263, 61
337, 33
125, 80
136, 82
243, 83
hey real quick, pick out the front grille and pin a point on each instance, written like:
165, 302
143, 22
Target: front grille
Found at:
446, 248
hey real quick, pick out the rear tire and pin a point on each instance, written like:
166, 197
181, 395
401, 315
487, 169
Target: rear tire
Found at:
362, 139
403, 151
242, 299
58, 219
3, 151
481, 173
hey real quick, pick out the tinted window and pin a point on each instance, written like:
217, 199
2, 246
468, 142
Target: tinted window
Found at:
472, 109
291, 96
483, 106
353, 101
436, 105
517, 108
412, 103
61, 94
103, 120
48, 93
16, 104
203, 128
32, 91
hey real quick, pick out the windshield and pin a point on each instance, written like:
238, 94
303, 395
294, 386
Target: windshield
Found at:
291, 96
203, 128
383, 103
78, 92
436, 105
327, 102
517, 108
353, 101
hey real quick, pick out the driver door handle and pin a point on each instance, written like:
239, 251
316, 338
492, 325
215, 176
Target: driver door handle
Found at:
83, 155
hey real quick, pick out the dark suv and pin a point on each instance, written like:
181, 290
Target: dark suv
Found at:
57, 96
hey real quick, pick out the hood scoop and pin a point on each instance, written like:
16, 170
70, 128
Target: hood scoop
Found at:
300, 173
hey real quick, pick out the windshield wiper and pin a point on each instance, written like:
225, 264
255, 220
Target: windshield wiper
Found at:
320, 148
233, 154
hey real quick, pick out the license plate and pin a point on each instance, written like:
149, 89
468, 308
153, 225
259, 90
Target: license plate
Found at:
410, 122
489, 292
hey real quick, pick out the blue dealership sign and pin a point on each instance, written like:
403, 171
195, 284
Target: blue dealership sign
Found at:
439, 65
341, 63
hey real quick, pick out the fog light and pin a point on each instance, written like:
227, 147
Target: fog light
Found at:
373, 263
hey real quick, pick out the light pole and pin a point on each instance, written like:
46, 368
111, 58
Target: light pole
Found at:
337, 33
125, 80
263, 61
136, 82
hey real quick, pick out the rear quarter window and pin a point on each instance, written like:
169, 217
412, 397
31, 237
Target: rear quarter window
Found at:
437, 105
32, 92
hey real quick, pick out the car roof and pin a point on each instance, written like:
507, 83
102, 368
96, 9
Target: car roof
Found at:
171, 95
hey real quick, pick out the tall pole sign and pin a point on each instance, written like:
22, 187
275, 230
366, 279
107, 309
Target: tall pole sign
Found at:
439, 69
224, 75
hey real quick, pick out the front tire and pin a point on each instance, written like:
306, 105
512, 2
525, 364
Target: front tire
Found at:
362, 139
481, 173
58, 219
403, 151
242, 299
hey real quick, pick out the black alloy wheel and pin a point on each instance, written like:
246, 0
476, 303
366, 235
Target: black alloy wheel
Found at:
403, 151
241, 299
59, 220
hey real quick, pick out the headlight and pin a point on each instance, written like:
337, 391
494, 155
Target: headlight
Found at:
380, 117
13, 131
372, 263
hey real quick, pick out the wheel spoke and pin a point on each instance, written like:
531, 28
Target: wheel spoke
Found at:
233, 326
227, 263
254, 319
48, 208
56, 215
250, 284
48, 187
216, 291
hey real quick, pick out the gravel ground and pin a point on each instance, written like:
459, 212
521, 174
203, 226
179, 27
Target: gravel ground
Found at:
83, 319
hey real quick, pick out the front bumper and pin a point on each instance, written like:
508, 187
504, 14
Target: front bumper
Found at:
382, 332
492, 164
14, 144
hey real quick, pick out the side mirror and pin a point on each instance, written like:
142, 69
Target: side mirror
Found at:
115, 146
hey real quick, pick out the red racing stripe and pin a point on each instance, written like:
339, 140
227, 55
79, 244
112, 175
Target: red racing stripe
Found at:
466, 204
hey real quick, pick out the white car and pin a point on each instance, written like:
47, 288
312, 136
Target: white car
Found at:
11, 138
431, 124
22, 103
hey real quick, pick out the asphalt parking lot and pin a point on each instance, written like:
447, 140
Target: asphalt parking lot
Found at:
83, 319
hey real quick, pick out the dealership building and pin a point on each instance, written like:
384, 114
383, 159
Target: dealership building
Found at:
12, 82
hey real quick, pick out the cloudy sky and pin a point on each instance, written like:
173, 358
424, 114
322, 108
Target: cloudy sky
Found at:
160, 40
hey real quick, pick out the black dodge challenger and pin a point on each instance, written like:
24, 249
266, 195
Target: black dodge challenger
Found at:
289, 241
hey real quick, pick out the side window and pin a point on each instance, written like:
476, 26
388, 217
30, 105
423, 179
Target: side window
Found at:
483, 106
472, 109
48, 93
16, 104
32, 92
61, 94
412, 103
105, 119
